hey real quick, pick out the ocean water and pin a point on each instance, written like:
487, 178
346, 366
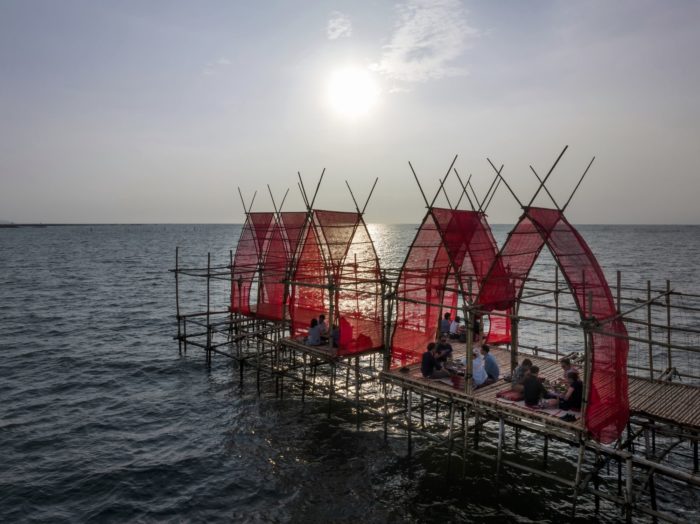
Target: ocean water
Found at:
101, 420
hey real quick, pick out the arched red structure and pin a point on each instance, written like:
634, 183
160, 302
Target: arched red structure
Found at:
451, 249
265, 254
337, 274
249, 251
278, 260
608, 407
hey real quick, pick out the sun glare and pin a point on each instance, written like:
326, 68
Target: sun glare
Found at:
352, 92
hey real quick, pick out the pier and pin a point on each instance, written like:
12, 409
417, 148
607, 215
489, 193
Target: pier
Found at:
636, 346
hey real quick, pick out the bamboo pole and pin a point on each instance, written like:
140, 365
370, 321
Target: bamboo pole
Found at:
514, 334
649, 332
177, 298
208, 308
556, 311
588, 344
668, 323
469, 365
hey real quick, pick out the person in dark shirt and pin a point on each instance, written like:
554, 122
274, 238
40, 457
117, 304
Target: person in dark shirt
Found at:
522, 371
573, 398
476, 329
533, 389
430, 367
444, 349
490, 364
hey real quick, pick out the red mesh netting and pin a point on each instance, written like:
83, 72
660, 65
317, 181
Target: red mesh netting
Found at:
499, 329
293, 225
337, 249
249, 250
279, 257
452, 249
608, 407
273, 272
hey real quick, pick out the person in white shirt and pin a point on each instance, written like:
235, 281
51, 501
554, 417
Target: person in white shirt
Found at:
454, 328
479, 375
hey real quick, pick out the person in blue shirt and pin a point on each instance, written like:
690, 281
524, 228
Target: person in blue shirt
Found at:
445, 324
429, 366
314, 336
490, 364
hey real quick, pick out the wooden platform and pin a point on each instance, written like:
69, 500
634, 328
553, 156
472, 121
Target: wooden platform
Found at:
324, 352
666, 401
671, 402
485, 397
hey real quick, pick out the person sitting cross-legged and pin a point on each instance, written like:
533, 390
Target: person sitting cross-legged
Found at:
573, 397
490, 365
430, 366
444, 349
533, 389
479, 375
522, 371
313, 337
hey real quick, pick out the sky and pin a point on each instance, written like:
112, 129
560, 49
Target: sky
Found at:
157, 112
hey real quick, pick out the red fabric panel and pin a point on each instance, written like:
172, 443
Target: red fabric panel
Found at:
308, 298
337, 229
337, 249
452, 248
243, 270
293, 226
499, 329
608, 408
358, 299
504, 283
272, 275
420, 291
262, 224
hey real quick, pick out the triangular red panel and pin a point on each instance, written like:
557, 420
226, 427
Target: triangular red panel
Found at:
608, 407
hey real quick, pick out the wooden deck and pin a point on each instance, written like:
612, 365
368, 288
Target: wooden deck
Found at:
486, 397
324, 352
666, 401
660, 400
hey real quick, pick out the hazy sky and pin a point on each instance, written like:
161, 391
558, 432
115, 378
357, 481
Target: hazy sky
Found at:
134, 111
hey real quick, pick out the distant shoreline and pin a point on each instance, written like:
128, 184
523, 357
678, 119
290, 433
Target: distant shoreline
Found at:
83, 224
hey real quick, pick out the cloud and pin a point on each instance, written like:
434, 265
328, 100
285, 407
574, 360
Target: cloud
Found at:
214, 67
339, 26
428, 36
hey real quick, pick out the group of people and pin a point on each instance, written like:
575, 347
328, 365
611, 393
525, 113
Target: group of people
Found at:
319, 333
455, 330
484, 365
526, 380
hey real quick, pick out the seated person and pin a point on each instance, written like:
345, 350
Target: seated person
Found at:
445, 323
444, 349
479, 375
522, 371
476, 329
573, 397
323, 326
335, 335
533, 389
456, 329
314, 336
490, 364
568, 368
430, 367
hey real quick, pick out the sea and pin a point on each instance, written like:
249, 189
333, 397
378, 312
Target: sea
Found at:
102, 420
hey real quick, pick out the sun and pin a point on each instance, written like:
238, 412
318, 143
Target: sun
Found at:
352, 92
